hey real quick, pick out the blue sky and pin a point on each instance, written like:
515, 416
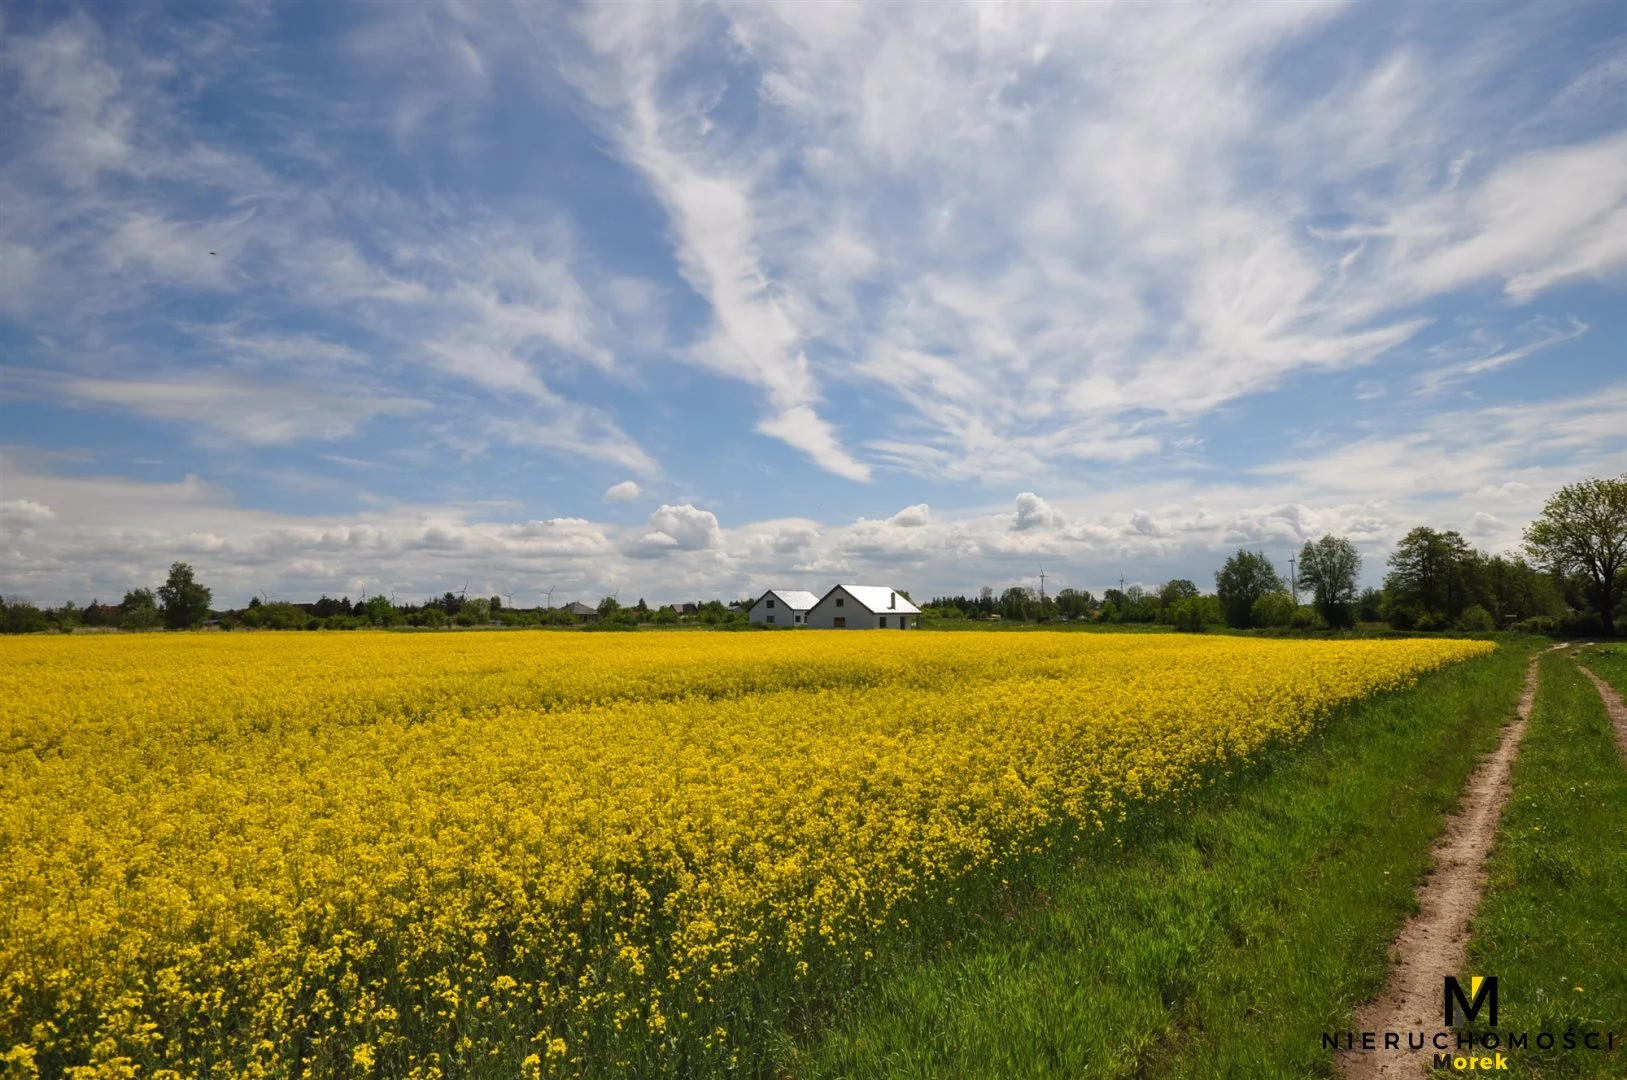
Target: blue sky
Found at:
676, 300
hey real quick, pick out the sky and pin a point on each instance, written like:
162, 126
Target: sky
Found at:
673, 300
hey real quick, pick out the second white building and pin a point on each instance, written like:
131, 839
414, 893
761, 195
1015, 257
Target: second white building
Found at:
863, 607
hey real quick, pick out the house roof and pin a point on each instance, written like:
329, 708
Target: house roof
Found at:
795, 599
576, 607
877, 598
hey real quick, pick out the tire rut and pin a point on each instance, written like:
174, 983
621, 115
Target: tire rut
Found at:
1612, 705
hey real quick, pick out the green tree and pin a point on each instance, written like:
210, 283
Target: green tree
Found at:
1329, 568
1173, 592
1583, 530
1427, 572
378, 611
1370, 606
183, 601
18, 616
139, 611
1245, 578
1073, 603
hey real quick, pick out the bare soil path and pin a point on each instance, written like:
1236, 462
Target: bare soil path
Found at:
1432, 943
1612, 705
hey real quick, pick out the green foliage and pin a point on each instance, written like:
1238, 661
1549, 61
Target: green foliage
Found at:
1192, 613
183, 601
278, 616
1476, 619
1370, 605
1273, 609
18, 616
378, 612
1583, 529
139, 611
1329, 568
1246, 577
1426, 572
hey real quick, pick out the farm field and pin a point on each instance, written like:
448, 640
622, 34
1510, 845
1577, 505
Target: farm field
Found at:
519, 854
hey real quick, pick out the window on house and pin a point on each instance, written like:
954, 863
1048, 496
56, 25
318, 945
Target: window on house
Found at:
884, 622
771, 605
838, 601
839, 622
771, 618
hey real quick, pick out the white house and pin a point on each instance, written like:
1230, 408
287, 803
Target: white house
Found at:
783, 607
863, 607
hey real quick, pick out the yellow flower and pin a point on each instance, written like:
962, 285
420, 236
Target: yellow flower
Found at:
432, 836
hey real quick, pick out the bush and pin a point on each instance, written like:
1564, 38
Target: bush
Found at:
1538, 624
1194, 613
1403, 618
1476, 618
1307, 617
1273, 609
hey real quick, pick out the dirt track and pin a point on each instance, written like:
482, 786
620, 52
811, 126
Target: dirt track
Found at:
1613, 705
1431, 945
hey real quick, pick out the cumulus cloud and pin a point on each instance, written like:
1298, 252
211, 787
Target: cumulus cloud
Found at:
625, 491
912, 517
678, 528
1034, 512
22, 512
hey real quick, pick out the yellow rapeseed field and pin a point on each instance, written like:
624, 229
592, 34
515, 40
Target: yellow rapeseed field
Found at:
549, 853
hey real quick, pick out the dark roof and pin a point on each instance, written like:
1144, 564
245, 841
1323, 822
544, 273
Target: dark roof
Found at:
576, 607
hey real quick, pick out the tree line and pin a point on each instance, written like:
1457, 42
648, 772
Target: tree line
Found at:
1569, 576
182, 603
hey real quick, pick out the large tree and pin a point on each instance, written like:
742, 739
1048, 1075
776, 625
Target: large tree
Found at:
1245, 578
185, 602
1427, 572
1583, 530
1329, 568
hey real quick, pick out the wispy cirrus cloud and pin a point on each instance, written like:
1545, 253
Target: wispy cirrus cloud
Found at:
1096, 282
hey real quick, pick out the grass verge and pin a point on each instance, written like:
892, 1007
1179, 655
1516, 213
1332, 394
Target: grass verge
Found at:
1553, 924
1608, 662
1218, 941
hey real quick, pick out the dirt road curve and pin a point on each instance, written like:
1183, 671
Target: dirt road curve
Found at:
1613, 705
1431, 945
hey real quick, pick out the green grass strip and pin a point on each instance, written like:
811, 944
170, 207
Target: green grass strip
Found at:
1553, 924
1217, 942
1608, 662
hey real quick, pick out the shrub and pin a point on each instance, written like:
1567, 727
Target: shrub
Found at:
1307, 617
1190, 615
1476, 618
1273, 609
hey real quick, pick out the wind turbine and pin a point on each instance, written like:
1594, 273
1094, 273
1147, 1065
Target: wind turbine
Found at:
1042, 584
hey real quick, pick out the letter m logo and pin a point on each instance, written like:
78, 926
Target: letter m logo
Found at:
1482, 991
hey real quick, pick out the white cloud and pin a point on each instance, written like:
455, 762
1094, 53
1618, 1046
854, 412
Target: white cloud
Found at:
912, 517
683, 527
1034, 512
625, 491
